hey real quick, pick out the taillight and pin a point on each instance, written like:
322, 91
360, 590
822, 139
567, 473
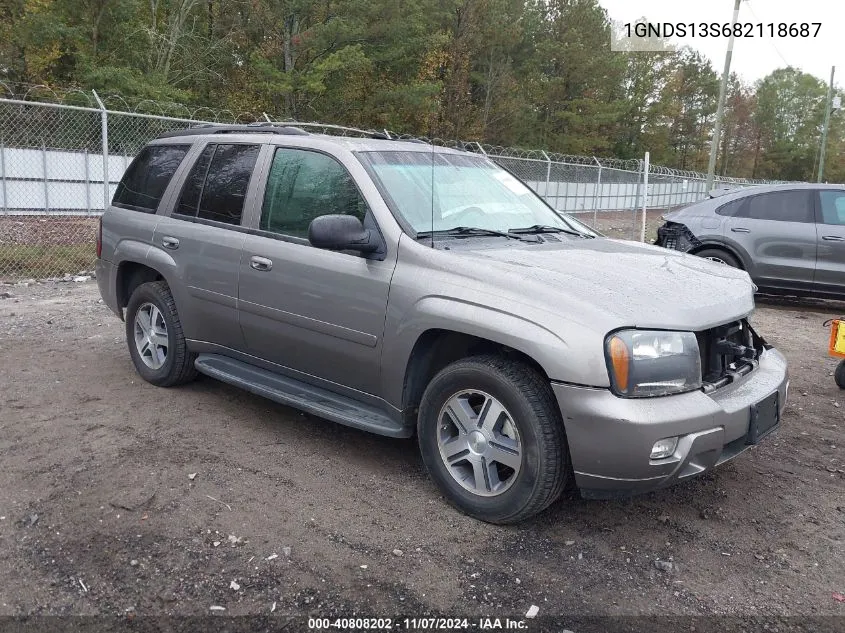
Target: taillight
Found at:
100, 239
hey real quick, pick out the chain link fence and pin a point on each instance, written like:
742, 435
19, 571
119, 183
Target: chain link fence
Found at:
60, 164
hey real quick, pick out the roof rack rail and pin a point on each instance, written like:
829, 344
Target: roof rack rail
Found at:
384, 134
265, 128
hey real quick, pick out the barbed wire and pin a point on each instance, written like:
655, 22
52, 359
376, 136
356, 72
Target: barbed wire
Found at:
206, 114
80, 97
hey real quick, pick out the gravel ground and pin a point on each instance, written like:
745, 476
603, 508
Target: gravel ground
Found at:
117, 497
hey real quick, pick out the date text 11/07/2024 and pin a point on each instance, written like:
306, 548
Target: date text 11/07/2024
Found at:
722, 29
419, 624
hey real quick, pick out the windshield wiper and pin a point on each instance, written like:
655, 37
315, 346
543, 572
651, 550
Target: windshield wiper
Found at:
469, 230
545, 228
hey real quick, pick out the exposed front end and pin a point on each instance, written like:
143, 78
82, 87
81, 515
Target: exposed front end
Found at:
676, 236
624, 445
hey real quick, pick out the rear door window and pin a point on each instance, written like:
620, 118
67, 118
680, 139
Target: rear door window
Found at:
780, 206
833, 207
144, 182
192, 189
217, 185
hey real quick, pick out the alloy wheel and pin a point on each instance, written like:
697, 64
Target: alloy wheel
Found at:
151, 336
479, 443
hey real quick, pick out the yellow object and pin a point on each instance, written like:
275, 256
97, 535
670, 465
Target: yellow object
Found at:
837, 339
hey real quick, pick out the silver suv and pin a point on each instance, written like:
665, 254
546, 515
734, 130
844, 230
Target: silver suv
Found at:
789, 238
405, 289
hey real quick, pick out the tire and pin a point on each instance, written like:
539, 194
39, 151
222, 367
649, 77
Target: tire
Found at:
162, 358
720, 256
839, 375
529, 422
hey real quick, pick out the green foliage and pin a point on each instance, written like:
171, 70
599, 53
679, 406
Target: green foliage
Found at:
531, 73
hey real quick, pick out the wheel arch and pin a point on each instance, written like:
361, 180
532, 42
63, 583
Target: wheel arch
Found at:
437, 329
137, 263
436, 348
737, 253
130, 275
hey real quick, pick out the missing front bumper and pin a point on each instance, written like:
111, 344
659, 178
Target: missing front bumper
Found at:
678, 237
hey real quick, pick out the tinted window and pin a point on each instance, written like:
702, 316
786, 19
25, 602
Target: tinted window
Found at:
833, 207
144, 182
226, 183
216, 187
192, 190
732, 208
781, 206
303, 185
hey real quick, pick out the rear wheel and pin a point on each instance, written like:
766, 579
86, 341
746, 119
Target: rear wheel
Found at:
155, 339
719, 256
492, 439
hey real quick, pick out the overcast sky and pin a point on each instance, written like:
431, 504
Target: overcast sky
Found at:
753, 59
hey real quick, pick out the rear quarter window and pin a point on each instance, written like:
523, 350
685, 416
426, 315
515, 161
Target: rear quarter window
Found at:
778, 206
144, 182
732, 209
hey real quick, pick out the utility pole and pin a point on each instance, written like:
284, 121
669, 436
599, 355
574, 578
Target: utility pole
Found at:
827, 111
723, 89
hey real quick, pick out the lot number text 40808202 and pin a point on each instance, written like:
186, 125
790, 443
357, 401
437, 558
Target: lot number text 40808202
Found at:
418, 624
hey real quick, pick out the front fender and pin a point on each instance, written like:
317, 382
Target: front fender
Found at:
576, 357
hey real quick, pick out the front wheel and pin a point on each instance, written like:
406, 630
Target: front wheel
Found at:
492, 439
719, 256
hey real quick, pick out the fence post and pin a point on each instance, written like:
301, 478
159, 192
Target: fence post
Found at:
46, 184
548, 175
637, 199
645, 195
597, 196
87, 184
3, 182
104, 125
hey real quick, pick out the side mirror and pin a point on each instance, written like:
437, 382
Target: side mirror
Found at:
341, 233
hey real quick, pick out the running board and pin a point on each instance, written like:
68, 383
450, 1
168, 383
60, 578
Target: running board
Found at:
300, 395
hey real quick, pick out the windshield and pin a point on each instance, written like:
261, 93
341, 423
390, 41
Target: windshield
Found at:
440, 191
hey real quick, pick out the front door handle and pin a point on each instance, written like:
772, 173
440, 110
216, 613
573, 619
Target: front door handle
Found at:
833, 238
739, 229
261, 263
170, 242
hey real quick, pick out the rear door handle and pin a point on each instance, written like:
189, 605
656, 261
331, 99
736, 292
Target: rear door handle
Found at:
739, 229
170, 242
833, 238
260, 263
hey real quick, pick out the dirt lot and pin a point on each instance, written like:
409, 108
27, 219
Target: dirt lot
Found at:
99, 513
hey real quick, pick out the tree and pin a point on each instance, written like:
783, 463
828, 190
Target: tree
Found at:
531, 73
688, 105
789, 116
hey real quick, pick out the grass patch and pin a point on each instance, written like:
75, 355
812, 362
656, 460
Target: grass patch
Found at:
25, 261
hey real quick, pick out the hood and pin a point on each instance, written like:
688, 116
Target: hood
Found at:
613, 283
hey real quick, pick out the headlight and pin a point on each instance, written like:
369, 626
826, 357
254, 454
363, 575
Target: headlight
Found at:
644, 363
